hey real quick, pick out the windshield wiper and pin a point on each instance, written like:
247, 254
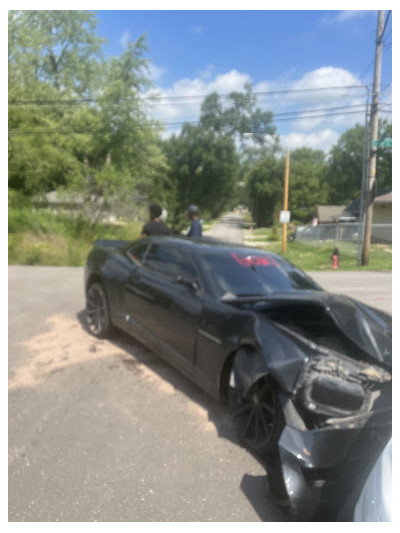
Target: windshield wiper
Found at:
245, 298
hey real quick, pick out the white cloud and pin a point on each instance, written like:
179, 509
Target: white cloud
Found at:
344, 16
156, 72
181, 102
317, 140
126, 37
326, 77
232, 81
208, 72
191, 94
197, 29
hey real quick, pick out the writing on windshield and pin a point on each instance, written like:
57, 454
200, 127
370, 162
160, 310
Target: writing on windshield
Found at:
251, 272
252, 260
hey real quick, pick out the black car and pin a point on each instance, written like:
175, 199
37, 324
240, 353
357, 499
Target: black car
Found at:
307, 374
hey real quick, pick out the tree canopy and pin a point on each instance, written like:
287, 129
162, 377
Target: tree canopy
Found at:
77, 122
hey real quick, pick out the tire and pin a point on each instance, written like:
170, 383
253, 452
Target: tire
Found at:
97, 311
257, 415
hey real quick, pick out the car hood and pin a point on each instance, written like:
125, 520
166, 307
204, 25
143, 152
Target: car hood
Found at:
333, 321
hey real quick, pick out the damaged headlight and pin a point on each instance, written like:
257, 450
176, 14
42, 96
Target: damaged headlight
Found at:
336, 386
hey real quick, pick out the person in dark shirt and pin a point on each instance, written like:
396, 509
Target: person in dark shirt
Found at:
195, 230
155, 226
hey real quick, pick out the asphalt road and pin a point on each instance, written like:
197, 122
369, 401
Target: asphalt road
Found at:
106, 431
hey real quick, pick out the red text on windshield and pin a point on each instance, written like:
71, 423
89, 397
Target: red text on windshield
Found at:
253, 260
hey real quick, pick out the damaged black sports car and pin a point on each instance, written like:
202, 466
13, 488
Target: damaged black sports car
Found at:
307, 374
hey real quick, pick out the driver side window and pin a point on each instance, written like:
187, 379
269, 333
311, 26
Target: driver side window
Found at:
169, 262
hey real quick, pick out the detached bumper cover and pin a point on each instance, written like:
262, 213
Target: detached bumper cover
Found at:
320, 468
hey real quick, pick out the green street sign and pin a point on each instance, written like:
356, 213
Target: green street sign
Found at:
384, 143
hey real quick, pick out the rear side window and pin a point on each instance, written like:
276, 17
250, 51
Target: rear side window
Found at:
170, 262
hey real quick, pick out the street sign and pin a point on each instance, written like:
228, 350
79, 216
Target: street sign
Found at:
383, 143
284, 217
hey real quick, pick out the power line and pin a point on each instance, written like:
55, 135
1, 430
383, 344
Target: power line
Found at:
386, 21
278, 118
176, 98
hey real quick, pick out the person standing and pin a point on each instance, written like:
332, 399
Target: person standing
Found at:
195, 230
155, 226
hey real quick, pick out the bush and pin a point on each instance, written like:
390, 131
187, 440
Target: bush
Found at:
19, 220
44, 238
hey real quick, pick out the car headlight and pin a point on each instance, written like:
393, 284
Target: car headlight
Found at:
336, 386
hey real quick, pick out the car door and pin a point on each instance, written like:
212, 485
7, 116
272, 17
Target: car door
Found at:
160, 299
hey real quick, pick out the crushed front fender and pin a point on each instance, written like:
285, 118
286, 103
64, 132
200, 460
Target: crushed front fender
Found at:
321, 469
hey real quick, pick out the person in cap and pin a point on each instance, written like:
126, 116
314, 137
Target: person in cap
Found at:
195, 230
155, 226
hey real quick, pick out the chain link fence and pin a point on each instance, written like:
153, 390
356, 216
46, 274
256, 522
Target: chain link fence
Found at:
347, 235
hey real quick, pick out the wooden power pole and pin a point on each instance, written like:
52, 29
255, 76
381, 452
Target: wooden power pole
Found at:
285, 201
371, 177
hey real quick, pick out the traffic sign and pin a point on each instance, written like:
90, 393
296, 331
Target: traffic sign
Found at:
284, 217
383, 143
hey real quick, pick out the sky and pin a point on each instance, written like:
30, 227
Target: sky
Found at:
292, 58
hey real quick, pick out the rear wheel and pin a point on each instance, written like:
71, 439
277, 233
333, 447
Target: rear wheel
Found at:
257, 415
97, 311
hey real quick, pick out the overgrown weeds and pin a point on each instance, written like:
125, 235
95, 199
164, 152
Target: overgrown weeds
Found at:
41, 237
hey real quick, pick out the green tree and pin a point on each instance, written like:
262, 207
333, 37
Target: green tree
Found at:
55, 47
125, 154
203, 170
76, 121
240, 117
208, 161
306, 187
384, 157
264, 183
53, 56
344, 176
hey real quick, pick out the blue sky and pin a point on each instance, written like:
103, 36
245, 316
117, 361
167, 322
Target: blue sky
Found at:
198, 51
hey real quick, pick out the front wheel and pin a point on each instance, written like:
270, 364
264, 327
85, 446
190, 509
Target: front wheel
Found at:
257, 415
97, 311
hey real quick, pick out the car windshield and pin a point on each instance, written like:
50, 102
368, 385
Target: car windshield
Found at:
247, 272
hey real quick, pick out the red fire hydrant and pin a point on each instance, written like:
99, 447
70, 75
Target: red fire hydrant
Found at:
335, 259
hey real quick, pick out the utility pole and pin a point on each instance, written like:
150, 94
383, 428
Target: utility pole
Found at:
371, 178
285, 201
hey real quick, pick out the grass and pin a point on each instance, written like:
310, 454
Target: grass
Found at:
39, 237
318, 257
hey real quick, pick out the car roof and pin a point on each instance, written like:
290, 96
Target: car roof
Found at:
209, 244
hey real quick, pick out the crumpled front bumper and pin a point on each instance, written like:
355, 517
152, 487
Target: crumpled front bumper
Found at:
321, 470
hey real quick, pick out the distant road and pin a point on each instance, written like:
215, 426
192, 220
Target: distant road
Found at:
227, 229
370, 287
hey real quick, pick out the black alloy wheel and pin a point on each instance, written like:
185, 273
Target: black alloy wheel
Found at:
97, 312
257, 416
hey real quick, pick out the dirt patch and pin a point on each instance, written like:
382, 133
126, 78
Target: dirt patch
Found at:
66, 343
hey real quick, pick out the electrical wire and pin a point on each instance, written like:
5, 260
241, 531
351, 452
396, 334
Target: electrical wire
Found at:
177, 98
278, 118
